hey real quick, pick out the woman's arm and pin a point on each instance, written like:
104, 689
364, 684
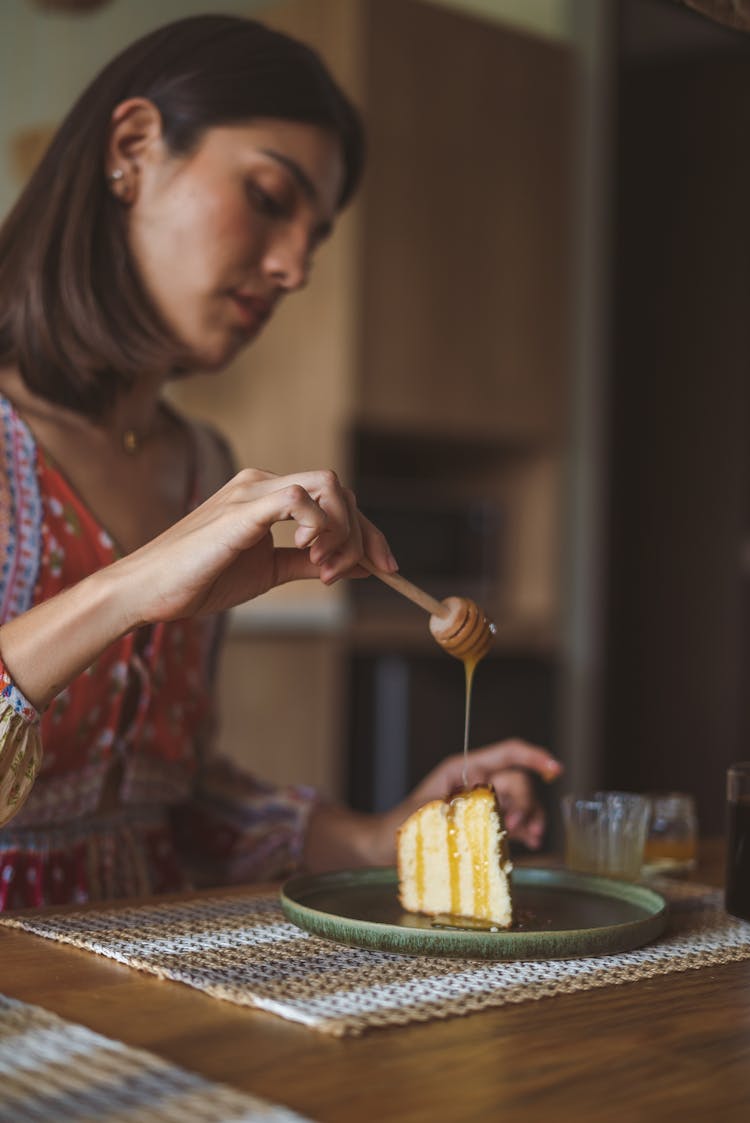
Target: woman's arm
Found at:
219, 555
46, 647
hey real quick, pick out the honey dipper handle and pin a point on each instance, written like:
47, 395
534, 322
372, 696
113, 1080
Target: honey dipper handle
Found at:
411, 592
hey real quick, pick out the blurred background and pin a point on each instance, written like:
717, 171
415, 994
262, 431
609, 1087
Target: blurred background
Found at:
527, 348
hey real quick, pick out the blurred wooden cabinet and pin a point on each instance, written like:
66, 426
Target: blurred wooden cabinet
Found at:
465, 245
282, 706
440, 310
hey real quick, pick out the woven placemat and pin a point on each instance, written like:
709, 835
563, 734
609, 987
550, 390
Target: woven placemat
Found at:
241, 948
53, 1070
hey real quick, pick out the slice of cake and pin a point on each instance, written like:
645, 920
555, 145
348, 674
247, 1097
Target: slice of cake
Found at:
453, 859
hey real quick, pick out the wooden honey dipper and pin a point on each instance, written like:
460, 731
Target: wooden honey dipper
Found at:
457, 623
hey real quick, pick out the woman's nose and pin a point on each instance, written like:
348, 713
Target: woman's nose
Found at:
287, 260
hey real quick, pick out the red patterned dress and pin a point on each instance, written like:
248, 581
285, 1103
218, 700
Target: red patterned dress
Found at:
140, 715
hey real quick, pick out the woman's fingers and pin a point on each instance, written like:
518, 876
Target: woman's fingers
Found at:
515, 795
376, 546
506, 766
511, 762
365, 541
514, 753
484, 765
335, 548
522, 814
242, 522
341, 533
339, 536
290, 502
341, 560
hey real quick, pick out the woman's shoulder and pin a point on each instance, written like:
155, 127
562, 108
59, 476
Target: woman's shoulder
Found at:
10, 418
18, 444
21, 513
17, 449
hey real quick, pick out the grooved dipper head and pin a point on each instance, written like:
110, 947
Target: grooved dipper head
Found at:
464, 631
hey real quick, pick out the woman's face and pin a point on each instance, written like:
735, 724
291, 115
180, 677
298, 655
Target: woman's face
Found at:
220, 235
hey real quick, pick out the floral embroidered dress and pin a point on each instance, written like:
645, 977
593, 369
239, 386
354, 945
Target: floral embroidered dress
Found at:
139, 718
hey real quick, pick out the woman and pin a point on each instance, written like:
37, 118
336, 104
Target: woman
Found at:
182, 198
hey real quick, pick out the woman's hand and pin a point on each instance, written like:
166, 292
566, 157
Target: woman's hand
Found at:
223, 554
337, 837
506, 766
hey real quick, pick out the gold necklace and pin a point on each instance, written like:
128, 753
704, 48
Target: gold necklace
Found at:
132, 441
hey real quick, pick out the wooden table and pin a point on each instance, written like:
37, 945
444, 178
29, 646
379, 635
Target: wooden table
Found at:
669, 1048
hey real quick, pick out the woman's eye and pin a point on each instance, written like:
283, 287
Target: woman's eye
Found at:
265, 202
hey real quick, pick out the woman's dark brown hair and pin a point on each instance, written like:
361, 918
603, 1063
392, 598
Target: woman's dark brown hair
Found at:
74, 316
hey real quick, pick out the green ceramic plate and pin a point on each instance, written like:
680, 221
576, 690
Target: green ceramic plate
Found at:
560, 915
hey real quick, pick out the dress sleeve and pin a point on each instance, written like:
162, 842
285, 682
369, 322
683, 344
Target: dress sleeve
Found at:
237, 828
20, 747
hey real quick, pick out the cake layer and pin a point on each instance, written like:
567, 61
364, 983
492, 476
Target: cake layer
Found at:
452, 859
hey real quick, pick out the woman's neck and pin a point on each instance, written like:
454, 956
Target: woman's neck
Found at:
136, 416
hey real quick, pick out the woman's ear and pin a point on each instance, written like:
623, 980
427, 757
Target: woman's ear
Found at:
135, 138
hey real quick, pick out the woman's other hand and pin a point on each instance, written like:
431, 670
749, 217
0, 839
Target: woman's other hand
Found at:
338, 837
507, 767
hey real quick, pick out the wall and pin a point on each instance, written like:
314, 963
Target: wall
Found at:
553, 19
46, 58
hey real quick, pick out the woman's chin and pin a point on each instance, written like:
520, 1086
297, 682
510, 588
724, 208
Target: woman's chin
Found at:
210, 359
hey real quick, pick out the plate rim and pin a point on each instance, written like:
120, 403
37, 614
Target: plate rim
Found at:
470, 943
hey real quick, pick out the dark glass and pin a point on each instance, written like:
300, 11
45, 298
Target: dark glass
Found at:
738, 841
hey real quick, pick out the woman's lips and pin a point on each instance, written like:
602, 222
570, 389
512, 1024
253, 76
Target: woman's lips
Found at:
253, 311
